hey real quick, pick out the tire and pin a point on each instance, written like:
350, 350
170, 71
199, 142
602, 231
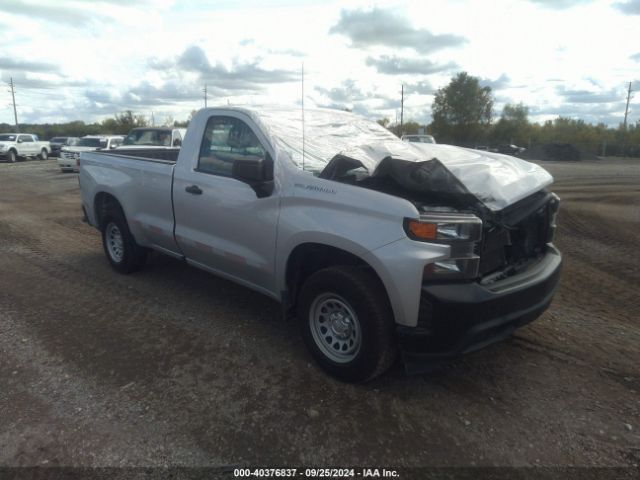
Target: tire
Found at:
43, 154
11, 156
347, 323
121, 249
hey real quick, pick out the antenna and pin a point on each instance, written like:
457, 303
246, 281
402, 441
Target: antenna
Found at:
302, 116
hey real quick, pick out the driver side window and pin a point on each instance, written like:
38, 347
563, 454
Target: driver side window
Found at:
225, 140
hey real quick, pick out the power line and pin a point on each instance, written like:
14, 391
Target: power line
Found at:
13, 96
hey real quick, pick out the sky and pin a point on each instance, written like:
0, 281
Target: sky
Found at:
88, 60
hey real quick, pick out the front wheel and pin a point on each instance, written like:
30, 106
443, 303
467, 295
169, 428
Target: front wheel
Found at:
121, 249
11, 156
44, 154
347, 323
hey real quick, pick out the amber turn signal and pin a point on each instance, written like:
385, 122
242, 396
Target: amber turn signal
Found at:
427, 231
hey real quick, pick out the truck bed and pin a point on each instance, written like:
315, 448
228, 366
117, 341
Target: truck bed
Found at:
141, 179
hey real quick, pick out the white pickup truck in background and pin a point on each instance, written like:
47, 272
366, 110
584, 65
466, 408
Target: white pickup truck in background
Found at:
14, 146
374, 245
154, 137
69, 155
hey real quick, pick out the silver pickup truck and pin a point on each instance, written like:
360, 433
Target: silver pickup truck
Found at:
375, 247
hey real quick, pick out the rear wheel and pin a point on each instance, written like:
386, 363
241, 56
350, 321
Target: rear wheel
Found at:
44, 154
121, 249
347, 323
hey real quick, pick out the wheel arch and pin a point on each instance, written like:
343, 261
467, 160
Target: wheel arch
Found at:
103, 203
309, 257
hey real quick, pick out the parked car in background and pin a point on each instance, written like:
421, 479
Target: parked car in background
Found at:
14, 146
58, 142
510, 149
69, 155
154, 137
418, 138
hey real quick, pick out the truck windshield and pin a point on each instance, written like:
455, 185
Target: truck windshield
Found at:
149, 136
92, 142
7, 138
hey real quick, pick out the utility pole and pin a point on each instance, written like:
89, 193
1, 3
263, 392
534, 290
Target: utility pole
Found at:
13, 96
205, 96
626, 110
153, 120
402, 109
624, 124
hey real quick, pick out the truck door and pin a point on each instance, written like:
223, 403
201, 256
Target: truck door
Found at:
221, 224
27, 145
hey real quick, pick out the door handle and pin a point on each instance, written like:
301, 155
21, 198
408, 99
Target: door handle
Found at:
194, 189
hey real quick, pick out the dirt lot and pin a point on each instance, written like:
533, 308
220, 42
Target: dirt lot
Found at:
174, 366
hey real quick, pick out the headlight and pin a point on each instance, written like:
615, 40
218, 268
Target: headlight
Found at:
554, 206
444, 228
460, 232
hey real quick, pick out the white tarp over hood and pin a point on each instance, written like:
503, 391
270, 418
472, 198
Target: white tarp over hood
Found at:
496, 180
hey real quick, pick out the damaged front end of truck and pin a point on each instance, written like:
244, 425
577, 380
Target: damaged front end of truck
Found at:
493, 211
502, 270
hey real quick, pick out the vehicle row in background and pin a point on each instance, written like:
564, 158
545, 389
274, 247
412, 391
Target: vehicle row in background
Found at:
154, 137
69, 155
418, 138
137, 138
15, 146
58, 142
505, 149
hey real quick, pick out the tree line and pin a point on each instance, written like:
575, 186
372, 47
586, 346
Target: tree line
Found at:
120, 124
462, 113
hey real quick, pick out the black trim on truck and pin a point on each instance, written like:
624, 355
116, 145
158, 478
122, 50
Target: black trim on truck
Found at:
157, 155
456, 319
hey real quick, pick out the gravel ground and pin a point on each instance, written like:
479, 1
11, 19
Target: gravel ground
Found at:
172, 366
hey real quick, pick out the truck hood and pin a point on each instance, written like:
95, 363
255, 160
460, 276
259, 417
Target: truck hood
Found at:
7, 144
495, 180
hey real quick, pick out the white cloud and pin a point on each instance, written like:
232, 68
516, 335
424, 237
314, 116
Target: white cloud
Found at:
74, 59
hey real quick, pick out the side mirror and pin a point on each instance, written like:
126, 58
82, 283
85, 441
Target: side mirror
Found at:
112, 146
177, 142
20, 140
258, 173
249, 171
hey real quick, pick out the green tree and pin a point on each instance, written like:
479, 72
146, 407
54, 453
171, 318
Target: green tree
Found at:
513, 126
462, 110
407, 128
384, 122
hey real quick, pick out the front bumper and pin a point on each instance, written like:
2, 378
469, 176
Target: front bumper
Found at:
67, 164
463, 317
